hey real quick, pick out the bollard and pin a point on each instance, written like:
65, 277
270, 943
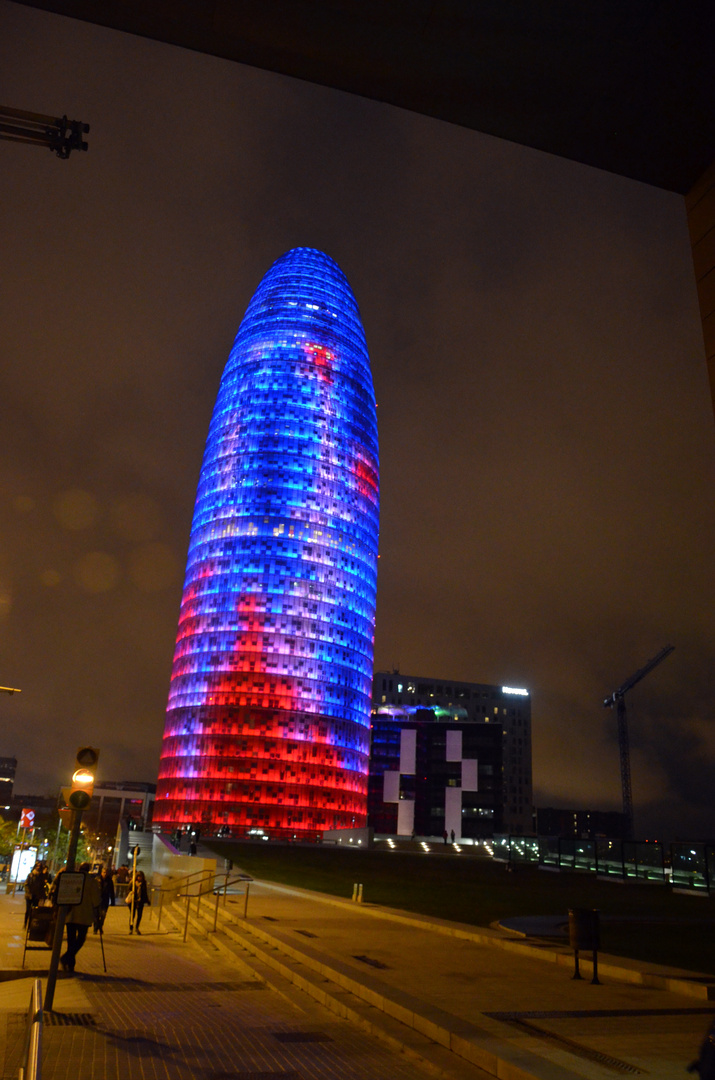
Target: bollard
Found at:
245, 902
584, 934
359, 895
355, 891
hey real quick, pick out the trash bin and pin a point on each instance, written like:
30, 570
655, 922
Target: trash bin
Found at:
42, 924
584, 929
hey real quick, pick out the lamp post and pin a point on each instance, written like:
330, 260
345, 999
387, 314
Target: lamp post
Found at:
78, 798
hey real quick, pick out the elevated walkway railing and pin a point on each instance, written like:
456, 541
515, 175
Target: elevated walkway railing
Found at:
689, 866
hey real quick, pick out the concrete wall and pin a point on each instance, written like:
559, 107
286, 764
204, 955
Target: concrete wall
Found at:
169, 865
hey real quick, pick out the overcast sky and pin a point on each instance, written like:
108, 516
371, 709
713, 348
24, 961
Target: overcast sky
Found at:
546, 435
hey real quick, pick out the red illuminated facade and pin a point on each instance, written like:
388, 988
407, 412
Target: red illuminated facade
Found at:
268, 718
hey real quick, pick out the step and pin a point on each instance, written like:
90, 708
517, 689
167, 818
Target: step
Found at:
488, 1046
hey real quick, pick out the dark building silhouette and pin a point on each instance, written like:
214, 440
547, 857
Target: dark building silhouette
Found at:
581, 824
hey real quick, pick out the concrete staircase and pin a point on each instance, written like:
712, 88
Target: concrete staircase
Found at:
144, 841
285, 969
442, 1044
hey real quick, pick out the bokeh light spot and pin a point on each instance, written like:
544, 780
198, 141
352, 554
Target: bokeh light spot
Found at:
76, 509
97, 572
5, 600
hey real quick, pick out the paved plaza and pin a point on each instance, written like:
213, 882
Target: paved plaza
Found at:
267, 997
168, 1010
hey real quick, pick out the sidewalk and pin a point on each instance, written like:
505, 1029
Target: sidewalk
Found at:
463, 1002
505, 1002
167, 1010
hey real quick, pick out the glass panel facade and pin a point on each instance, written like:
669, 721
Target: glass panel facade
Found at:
269, 704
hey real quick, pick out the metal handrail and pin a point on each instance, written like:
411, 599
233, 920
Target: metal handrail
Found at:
32, 1050
240, 879
174, 891
178, 884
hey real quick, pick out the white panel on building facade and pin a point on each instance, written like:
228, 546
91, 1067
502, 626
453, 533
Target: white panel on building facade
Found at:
470, 780
408, 751
453, 810
391, 787
405, 817
454, 747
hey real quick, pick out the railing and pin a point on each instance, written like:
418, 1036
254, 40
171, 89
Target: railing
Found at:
32, 1050
197, 885
684, 865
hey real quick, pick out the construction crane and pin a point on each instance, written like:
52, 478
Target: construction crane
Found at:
618, 698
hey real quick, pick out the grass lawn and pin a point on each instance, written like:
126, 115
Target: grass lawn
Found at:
646, 922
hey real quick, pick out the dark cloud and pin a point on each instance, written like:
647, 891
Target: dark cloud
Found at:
546, 435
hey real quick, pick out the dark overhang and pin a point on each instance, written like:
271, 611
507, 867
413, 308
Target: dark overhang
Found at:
628, 86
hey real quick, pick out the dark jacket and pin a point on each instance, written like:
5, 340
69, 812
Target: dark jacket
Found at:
107, 886
138, 894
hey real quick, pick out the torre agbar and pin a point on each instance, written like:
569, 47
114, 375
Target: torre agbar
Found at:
268, 719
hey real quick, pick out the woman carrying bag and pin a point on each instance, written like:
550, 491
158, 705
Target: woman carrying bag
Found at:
137, 898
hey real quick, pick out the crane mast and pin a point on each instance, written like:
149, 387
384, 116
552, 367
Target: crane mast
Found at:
618, 698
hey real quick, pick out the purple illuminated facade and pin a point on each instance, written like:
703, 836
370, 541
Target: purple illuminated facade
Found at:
268, 719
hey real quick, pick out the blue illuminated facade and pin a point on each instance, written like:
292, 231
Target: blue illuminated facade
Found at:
268, 718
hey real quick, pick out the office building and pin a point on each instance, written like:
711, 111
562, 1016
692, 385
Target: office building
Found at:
432, 773
268, 719
114, 801
465, 707
8, 768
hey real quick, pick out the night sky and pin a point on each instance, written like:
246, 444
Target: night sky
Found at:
546, 434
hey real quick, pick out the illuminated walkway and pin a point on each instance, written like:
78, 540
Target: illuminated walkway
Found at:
168, 1010
506, 1003
310, 986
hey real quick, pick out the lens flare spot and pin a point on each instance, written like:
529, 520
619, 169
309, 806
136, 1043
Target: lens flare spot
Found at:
5, 599
97, 572
76, 509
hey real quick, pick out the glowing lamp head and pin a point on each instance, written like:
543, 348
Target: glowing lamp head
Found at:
80, 793
82, 786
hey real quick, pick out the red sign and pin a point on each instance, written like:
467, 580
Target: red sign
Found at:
27, 819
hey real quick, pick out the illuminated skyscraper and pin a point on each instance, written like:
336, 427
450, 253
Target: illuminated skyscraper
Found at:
268, 719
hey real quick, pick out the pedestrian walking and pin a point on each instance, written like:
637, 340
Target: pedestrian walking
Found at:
107, 896
80, 916
34, 891
46, 876
451, 836
122, 881
137, 899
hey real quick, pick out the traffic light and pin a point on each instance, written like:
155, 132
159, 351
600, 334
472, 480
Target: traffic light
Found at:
83, 778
